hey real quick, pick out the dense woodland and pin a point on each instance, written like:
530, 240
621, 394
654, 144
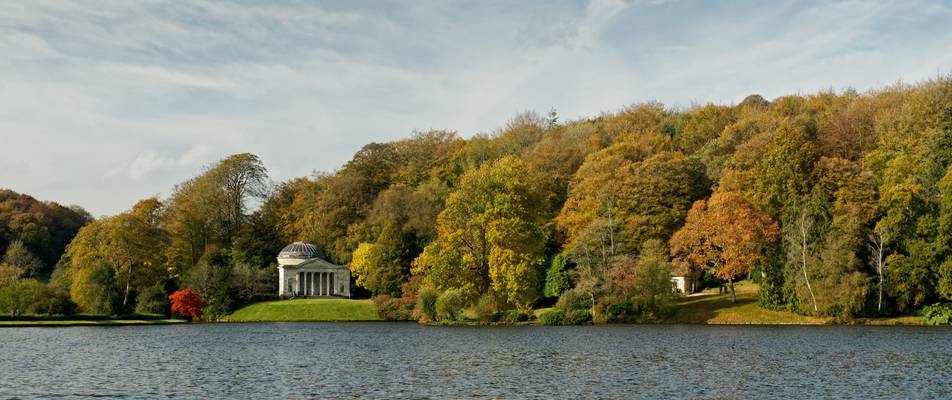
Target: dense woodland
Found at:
837, 204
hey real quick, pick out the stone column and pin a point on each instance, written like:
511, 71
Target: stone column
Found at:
323, 284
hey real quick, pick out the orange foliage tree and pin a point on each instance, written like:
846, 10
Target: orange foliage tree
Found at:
187, 303
726, 234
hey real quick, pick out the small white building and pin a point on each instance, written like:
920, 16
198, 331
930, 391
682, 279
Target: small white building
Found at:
683, 280
303, 271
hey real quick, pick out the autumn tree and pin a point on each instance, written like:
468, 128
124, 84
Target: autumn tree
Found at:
433, 155
211, 208
639, 193
401, 222
383, 266
557, 156
130, 243
701, 125
18, 255
10, 274
726, 234
44, 228
784, 176
490, 234
187, 303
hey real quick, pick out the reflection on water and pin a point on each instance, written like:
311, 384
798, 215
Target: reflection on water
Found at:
379, 360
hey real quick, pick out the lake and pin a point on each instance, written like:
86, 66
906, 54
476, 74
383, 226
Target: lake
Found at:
405, 360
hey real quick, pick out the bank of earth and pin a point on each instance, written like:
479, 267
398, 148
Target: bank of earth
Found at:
708, 307
316, 309
86, 320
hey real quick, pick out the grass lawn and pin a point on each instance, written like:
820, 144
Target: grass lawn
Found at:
307, 310
710, 307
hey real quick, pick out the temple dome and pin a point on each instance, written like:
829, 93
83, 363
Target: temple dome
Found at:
301, 251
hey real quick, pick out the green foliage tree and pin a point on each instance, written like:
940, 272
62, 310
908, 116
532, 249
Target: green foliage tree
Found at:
558, 276
784, 176
911, 282
647, 279
152, 300
250, 281
100, 294
24, 297
213, 278
426, 304
490, 235
379, 267
10, 275
449, 306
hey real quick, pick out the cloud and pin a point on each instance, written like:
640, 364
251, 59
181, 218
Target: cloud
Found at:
101, 106
150, 163
159, 75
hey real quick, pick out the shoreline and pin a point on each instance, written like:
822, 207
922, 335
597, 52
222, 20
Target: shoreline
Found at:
890, 322
706, 308
58, 323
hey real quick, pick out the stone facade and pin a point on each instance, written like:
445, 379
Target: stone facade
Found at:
303, 272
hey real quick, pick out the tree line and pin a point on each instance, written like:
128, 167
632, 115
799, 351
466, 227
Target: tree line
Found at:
836, 203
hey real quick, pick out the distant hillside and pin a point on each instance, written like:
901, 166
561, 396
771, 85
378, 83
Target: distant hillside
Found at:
44, 227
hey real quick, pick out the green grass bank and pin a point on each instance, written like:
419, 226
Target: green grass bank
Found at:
709, 307
307, 310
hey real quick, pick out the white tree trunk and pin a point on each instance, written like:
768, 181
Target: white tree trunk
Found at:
803, 257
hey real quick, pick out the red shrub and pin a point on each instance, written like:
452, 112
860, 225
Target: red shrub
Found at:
187, 303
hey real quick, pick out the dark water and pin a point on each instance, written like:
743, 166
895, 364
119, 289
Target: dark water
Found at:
377, 360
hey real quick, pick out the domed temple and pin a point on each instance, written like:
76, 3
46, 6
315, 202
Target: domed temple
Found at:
303, 271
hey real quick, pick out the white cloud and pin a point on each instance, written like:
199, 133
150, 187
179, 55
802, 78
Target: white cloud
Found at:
102, 105
159, 75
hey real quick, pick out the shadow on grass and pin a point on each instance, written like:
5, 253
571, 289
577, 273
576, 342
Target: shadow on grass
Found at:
704, 308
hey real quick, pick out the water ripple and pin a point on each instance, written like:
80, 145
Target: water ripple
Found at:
378, 360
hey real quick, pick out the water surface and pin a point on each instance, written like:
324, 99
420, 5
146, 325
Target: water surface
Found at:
381, 360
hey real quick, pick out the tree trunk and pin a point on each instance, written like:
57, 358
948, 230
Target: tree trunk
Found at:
592, 294
611, 230
879, 305
803, 258
125, 299
730, 282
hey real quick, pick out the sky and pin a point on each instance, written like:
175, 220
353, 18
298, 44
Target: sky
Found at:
103, 103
